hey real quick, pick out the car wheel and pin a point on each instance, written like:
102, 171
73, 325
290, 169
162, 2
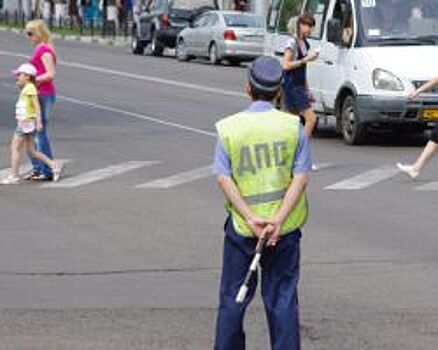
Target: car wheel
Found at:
213, 54
181, 51
137, 47
353, 130
156, 46
234, 62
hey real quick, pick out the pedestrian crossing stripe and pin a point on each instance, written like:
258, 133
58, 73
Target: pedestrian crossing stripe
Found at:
26, 168
358, 182
23, 170
178, 179
366, 179
431, 186
99, 174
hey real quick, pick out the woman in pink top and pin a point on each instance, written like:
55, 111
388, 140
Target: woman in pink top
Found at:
44, 60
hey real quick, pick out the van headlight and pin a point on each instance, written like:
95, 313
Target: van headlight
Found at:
384, 80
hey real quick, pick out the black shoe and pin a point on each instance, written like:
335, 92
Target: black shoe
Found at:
35, 175
32, 175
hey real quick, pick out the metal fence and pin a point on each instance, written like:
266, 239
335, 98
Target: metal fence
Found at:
82, 26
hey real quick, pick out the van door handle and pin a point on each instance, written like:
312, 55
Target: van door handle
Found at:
330, 63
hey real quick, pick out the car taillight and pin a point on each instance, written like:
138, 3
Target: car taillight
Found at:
230, 35
165, 21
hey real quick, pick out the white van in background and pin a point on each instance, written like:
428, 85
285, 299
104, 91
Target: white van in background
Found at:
373, 53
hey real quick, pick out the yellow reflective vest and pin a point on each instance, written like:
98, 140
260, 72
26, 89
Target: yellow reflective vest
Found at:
262, 149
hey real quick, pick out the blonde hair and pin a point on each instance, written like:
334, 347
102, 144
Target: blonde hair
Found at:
39, 28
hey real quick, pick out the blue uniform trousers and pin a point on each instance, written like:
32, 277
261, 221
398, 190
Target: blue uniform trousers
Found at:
280, 275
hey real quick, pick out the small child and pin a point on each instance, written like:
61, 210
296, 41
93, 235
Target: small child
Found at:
28, 115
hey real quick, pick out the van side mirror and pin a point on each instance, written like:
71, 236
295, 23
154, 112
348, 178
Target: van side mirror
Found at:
334, 34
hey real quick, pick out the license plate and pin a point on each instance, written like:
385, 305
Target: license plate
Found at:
431, 114
252, 38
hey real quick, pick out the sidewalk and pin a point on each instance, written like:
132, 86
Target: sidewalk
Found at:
120, 41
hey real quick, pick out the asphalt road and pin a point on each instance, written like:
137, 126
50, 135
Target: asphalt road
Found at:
125, 253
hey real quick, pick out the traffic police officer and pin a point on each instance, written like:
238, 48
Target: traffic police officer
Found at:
262, 161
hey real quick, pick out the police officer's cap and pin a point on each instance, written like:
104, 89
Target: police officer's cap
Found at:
266, 74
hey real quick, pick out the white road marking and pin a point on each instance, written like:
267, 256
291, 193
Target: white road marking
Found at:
27, 167
23, 169
131, 114
99, 174
137, 115
323, 166
431, 186
113, 72
365, 179
178, 179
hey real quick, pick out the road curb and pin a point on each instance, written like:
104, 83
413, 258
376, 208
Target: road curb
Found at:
119, 42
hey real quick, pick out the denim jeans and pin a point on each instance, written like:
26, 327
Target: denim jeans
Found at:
41, 138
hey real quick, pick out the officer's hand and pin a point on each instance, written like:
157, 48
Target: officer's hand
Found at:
257, 225
274, 230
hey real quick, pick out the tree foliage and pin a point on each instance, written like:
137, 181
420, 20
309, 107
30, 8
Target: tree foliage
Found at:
290, 8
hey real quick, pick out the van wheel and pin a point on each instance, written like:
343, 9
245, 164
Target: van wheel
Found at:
353, 131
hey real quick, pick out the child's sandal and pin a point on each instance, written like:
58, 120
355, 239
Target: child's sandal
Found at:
10, 180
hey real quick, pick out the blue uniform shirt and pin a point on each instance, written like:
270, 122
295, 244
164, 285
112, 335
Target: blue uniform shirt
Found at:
302, 163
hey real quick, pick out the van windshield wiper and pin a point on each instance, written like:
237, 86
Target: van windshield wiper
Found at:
389, 41
432, 38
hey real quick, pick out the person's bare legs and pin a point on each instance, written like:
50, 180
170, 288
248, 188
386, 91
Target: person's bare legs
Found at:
414, 170
30, 145
425, 156
310, 121
16, 150
56, 167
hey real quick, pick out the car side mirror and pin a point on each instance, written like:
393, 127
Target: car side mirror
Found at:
334, 34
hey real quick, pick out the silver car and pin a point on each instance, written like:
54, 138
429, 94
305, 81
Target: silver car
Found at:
223, 35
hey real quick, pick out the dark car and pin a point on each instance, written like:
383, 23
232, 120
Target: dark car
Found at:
158, 23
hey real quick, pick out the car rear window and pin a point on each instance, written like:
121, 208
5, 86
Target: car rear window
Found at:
246, 21
192, 4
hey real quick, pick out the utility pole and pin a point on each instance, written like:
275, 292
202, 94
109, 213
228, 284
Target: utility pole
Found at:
260, 7
104, 16
37, 9
104, 10
20, 8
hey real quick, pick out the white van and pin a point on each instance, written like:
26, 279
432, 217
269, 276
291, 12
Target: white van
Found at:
364, 79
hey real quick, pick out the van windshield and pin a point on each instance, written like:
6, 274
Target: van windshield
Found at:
400, 19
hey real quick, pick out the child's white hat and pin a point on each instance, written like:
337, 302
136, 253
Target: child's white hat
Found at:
26, 68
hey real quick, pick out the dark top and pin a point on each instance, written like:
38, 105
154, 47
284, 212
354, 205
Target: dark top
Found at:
298, 76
